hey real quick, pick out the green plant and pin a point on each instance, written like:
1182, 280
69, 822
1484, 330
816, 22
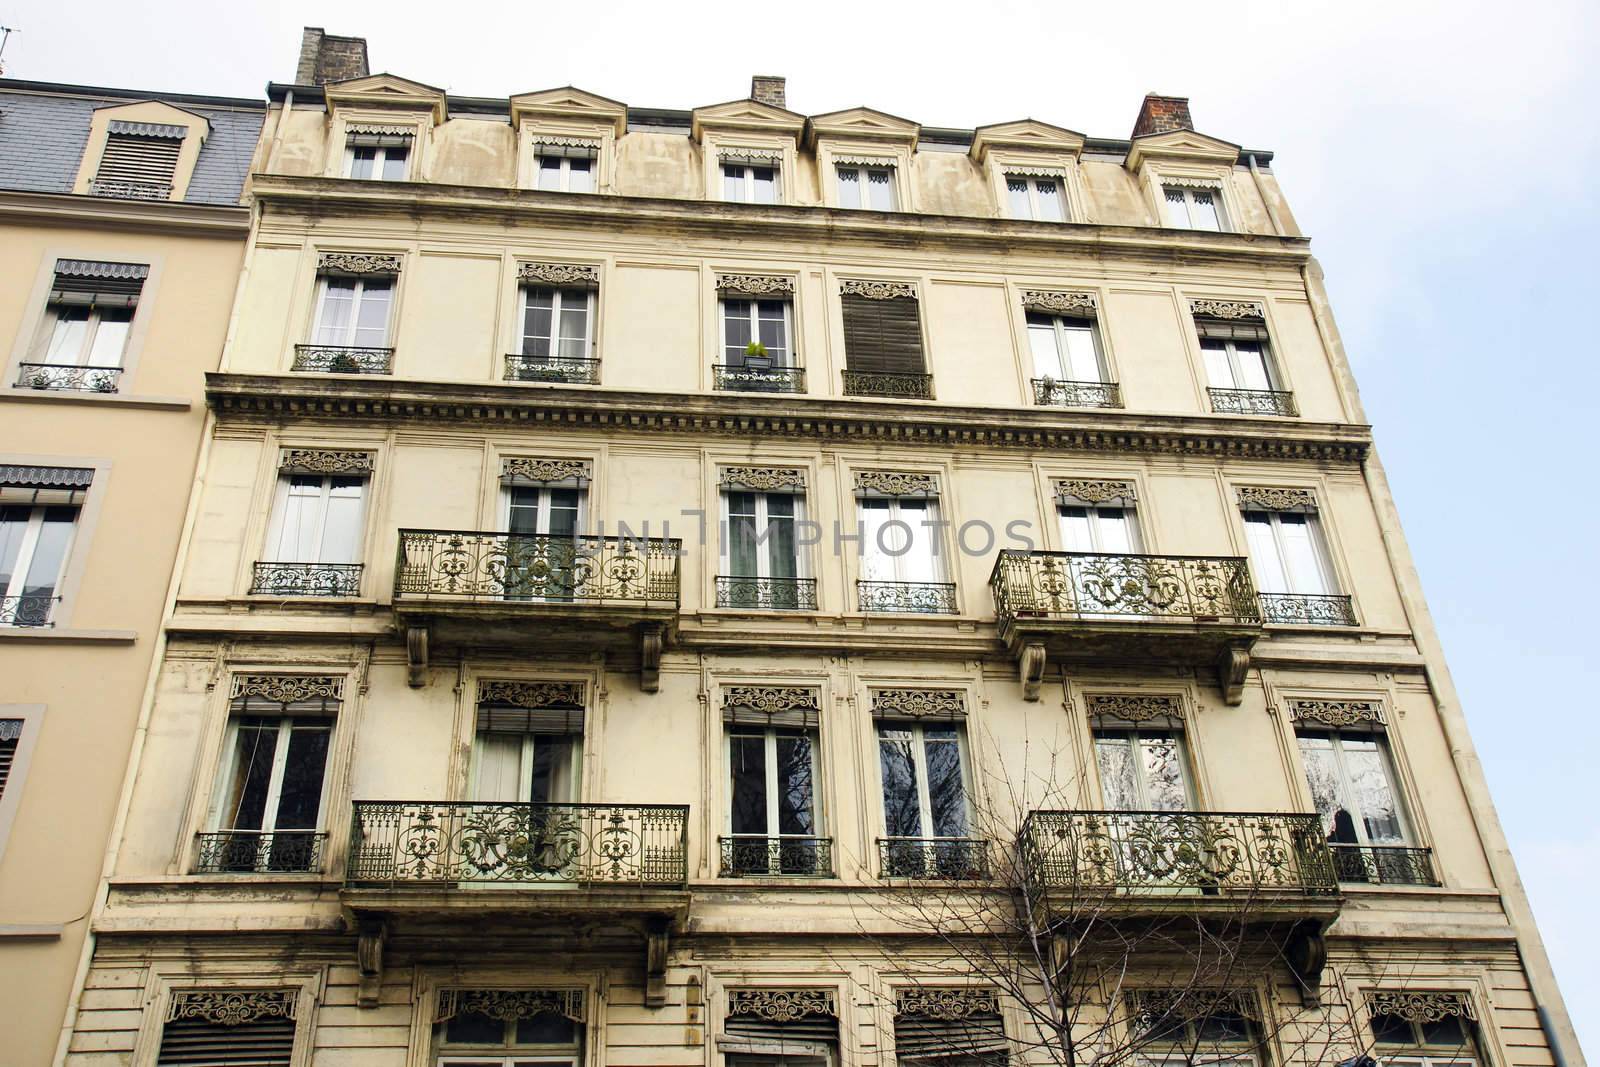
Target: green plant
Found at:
755, 348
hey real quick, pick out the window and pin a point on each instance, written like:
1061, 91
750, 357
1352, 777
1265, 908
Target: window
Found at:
1142, 766
928, 1033
317, 519
139, 161
221, 1028
38, 521
805, 1033
10, 737
377, 159
557, 323
762, 565
1237, 363
87, 321
565, 170
883, 341
768, 368
511, 1028
1064, 349
1448, 1041
353, 312
1099, 528
1190, 208
1288, 553
1038, 198
1352, 782
773, 821
749, 183
528, 755
866, 186
926, 812
902, 565
1212, 1037
542, 553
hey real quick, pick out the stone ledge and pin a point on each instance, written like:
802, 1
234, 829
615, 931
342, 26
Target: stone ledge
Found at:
23, 394
68, 635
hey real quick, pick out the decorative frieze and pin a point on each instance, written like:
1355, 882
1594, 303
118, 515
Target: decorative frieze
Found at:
378, 129
324, 461
771, 699
360, 263
1336, 712
755, 284
288, 688
1093, 490
897, 483
231, 1007
1267, 498
877, 290
571, 275
734, 154
1420, 1007
764, 479
782, 1005
1081, 305
1151, 1008
552, 141
865, 161
1034, 170
1134, 707
509, 1005
1191, 182
160, 131
946, 1004
531, 694
529, 469
1208, 308
919, 703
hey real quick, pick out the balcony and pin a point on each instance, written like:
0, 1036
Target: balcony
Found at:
748, 855
1307, 609
28, 610
766, 594
306, 579
260, 852
479, 588
554, 370
1053, 392
1253, 402
750, 378
343, 359
57, 378
961, 858
1185, 611
901, 386
1384, 864
906, 598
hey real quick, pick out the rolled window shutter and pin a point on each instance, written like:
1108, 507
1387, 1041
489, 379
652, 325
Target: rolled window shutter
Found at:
1217, 330
807, 1029
509, 719
882, 336
140, 160
201, 1043
921, 1039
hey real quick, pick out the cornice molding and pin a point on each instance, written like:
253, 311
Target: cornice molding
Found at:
200, 220
286, 398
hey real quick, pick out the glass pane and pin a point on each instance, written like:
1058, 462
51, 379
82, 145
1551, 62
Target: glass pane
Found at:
1270, 574
300, 797
902, 814
1083, 358
538, 316
732, 182
1367, 765
1046, 357
766, 185
1076, 532
338, 299
524, 511
1203, 211
876, 564
1322, 776
794, 785
550, 173
547, 1028
13, 525
302, 513
880, 189
1017, 198
1113, 531
1391, 1030
783, 559
66, 340
1301, 555
735, 331
361, 160
110, 337
947, 796
1252, 363
341, 533
1219, 372
1445, 1033
50, 551
1119, 783
542, 770
742, 534
372, 318
580, 176
394, 164
563, 512
254, 747
748, 754
849, 187
574, 325
1049, 192
474, 1028
920, 563
1162, 759
772, 316
498, 766
1177, 208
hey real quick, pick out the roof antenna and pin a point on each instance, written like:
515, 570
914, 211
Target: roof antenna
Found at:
5, 35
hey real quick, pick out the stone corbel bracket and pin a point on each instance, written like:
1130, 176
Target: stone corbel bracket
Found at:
1030, 669
417, 655
1307, 954
657, 942
1232, 666
652, 637
371, 933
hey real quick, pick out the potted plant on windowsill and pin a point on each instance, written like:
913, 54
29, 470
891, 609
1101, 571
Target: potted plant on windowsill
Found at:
344, 363
756, 357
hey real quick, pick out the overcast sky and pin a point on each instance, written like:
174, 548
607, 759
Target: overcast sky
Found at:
1442, 156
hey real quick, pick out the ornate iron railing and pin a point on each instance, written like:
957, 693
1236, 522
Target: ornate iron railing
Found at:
1091, 585
27, 610
914, 598
343, 359
565, 370
767, 594
1253, 402
1384, 864
1091, 851
1308, 609
244, 851
1056, 392
306, 579
448, 564
69, 379
744, 854
132, 190
933, 857
748, 379
871, 383
415, 842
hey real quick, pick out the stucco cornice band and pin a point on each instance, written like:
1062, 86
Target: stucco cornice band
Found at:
237, 397
163, 215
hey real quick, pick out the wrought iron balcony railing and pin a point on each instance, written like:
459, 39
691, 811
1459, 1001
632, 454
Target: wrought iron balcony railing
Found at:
1055, 392
343, 359
429, 842
933, 857
1080, 585
68, 379
748, 379
1384, 864
767, 594
132, 190
1178, 851
464, 565
306, 579
869, 383
561, 370
246, 851
27, 610
1253, 402
1308, 609
744, 854
911, 598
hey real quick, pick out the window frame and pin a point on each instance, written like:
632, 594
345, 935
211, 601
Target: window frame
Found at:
228, 771
28, 547
1135, 733
925, 532
279, 515
1167, 186
771, 735
94, 320
319, 308
564, 169
919, 761
802, 562
381, 159
558, 297
1060, 326
791, 356
1230, 350
1031, 194
1129, 514
748, 181
1320, 550
1409, 835
863, 171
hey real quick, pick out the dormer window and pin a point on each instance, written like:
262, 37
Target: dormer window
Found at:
1034, 196
378, 153
867, 185
751, 177
565, 165
139, 161
1193, 207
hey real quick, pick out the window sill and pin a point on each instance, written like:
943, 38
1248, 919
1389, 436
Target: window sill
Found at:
68, 396
32, 931
68, 635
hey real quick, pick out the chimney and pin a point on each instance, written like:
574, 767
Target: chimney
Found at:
767, 89
325, 58
1162, 114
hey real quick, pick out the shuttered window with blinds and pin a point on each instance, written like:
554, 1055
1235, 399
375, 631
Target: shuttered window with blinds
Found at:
138, 166
203, 1042
788, 1027
977, 1039
10, 735
882, 336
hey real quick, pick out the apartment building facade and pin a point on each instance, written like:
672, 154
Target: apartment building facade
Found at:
122, 233
640, 555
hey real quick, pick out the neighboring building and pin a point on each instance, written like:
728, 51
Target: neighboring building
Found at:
444, 765
121, 235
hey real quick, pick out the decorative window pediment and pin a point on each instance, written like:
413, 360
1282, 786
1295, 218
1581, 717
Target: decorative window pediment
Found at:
571, 107
1025, 136
764, 479
897, 483
530, 471
232, 1007
1094, 491
1153, 1008
360, 264
1337, 712
878, 290
1420, 1007
792, 706
755, 284
509, 1005
532, 695
782, 1005
946, 1003
325, 461
746, 116
560, 275
1053, 302
1181, 146
286, 688
388, 92
919, 704
1268, 498
1213, 308
862, 123
1134, 707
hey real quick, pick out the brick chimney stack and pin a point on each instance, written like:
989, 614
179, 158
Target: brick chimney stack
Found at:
1162, 114
768, 89
325, 58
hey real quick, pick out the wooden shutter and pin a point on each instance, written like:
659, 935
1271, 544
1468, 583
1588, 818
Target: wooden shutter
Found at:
882, 336
925, 1039
10, 734
138, 160
202, 1043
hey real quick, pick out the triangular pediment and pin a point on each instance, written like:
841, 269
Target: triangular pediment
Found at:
747, 116
570, 104
1026, 135
1181, 145
387, 91
863, 123
157, 111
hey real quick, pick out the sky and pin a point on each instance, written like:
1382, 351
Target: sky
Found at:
1441, 155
